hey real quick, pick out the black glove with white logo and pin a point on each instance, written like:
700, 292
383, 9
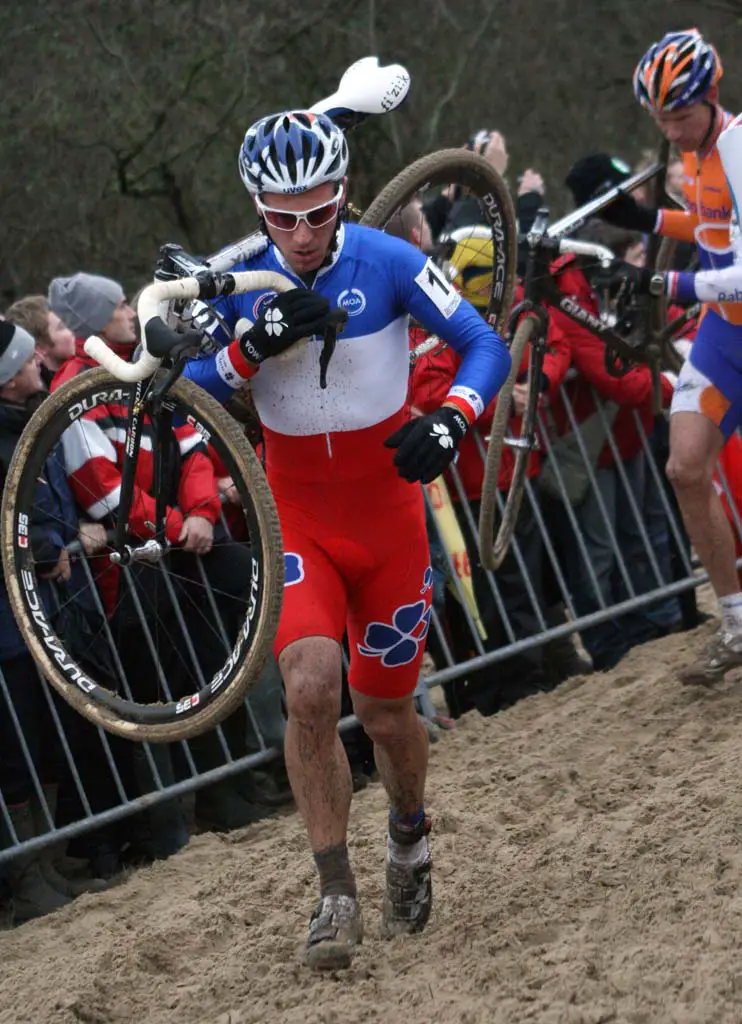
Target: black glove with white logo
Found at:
427, 445
285, 320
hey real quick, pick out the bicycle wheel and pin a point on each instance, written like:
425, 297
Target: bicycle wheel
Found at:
196, 642
492, 552
471, 172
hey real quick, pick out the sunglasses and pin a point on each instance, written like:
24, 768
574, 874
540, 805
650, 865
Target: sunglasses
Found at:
287, 220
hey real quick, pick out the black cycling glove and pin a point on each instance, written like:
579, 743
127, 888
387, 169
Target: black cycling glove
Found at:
625, 279
427, 445
625, 212
289, 317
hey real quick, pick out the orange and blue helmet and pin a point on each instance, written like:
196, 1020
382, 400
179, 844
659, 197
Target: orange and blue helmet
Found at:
678, 70
292, 152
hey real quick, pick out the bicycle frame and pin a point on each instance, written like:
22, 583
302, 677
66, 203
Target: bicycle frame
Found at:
146, 399
574, 221
541, 290
545, 243
135, 422
528, 331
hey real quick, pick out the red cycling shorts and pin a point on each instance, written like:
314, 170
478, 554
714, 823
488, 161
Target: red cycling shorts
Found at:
357, 559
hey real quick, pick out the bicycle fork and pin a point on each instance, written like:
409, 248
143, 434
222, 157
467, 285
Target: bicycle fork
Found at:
151, 550
528, 439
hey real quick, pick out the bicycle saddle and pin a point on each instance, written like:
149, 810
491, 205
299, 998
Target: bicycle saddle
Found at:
366, 88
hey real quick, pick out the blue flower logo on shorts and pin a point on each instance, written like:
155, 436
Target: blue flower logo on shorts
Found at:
427, 581
397, 643
294, 568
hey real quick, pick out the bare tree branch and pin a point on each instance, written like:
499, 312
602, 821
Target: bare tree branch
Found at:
372, 42
290, 39
140, 147
203, 143
728, 6
455, 80
447, 14
118, 56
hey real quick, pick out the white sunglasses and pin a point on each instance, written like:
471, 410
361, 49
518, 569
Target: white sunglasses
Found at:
288, 220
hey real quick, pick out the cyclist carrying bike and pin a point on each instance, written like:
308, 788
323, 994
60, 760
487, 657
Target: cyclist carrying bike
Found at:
677, 81
340, 460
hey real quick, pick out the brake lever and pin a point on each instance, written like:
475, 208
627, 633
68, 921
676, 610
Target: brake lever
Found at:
336, 324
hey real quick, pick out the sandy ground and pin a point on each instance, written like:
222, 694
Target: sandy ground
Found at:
588, 868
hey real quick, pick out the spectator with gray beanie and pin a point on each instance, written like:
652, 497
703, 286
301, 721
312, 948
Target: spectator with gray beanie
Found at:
89, 304
17, 349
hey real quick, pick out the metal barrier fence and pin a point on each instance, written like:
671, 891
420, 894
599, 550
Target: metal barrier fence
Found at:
614, 567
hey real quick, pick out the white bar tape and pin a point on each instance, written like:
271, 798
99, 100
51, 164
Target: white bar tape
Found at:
184, 288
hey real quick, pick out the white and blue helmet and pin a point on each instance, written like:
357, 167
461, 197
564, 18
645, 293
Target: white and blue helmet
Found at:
292, 152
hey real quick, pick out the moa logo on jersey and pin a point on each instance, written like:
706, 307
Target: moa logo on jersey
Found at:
352, 300
261, 302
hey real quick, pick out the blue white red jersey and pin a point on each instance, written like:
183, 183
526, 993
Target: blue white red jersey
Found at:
380, 281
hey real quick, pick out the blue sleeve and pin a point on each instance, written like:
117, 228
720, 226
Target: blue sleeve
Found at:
204, 371
213, 372
425, 293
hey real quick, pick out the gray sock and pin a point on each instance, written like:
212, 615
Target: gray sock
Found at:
335, 874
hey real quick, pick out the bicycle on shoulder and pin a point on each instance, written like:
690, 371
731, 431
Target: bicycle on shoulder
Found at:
205, 633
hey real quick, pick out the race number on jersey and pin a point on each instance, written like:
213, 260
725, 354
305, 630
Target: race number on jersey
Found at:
440, 291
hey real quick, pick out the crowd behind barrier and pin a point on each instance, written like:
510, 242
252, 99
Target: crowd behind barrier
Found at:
600, 563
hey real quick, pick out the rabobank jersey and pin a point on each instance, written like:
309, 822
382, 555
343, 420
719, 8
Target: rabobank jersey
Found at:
707, 222
380, 281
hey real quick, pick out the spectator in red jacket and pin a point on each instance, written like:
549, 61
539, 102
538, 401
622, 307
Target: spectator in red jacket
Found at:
500, 686
604, 577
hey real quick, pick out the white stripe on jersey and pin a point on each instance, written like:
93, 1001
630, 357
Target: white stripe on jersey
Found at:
366, 383
106, 506
85, 440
